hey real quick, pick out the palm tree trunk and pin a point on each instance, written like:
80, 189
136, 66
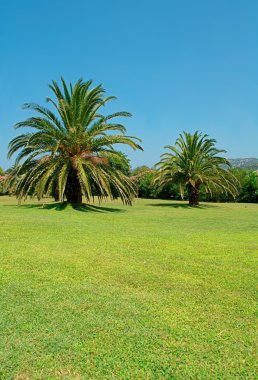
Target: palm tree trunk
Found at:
193, 195
73, 189
56, 194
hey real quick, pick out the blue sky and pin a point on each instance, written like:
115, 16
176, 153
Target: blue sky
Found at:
175, 64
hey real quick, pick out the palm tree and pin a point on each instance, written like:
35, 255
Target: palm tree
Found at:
70, 150
194, 163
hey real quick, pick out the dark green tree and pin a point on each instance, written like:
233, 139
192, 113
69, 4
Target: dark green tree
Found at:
249, 188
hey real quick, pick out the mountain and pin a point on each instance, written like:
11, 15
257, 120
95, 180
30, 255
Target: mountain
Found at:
244, 163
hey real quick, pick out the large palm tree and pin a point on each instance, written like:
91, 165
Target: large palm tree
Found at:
194, 162
70, 150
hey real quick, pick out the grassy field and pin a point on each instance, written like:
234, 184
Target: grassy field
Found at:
154, 291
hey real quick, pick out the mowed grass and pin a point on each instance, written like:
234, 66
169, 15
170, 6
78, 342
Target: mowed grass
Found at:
154, 291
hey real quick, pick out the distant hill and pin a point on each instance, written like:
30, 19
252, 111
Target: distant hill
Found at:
245, 163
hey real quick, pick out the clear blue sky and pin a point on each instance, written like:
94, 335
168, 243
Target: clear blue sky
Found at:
175, 64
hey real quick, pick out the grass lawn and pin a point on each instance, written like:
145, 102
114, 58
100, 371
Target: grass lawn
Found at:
154, 291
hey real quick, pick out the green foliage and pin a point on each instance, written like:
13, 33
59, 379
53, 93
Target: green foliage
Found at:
146, 188
121, 163
144, 178
194, 163
13, 176
71, 151
249, 188
3, 189
158, 291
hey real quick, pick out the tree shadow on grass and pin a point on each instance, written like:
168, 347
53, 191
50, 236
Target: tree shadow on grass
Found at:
93, 208
60, 206
181, 205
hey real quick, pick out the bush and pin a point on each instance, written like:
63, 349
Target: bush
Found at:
146, 188
249, 188
3, 189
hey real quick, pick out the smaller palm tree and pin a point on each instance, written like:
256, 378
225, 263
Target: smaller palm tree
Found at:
194, 162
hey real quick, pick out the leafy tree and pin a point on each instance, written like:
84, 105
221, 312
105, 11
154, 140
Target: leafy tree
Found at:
2, 182
71, 151
122, 163
2, 187
169, 191
194, 163
249, 188
13, 176
143, 177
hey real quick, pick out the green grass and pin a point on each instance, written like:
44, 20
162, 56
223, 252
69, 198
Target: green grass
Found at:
154, 291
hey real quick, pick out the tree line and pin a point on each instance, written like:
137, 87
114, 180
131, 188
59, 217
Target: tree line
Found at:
69, 151
144, 177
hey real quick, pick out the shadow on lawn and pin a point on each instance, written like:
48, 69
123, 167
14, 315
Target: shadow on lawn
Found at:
181, 205
82, 208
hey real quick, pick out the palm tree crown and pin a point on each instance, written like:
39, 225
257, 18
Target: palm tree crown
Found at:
193, 162
70, 151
